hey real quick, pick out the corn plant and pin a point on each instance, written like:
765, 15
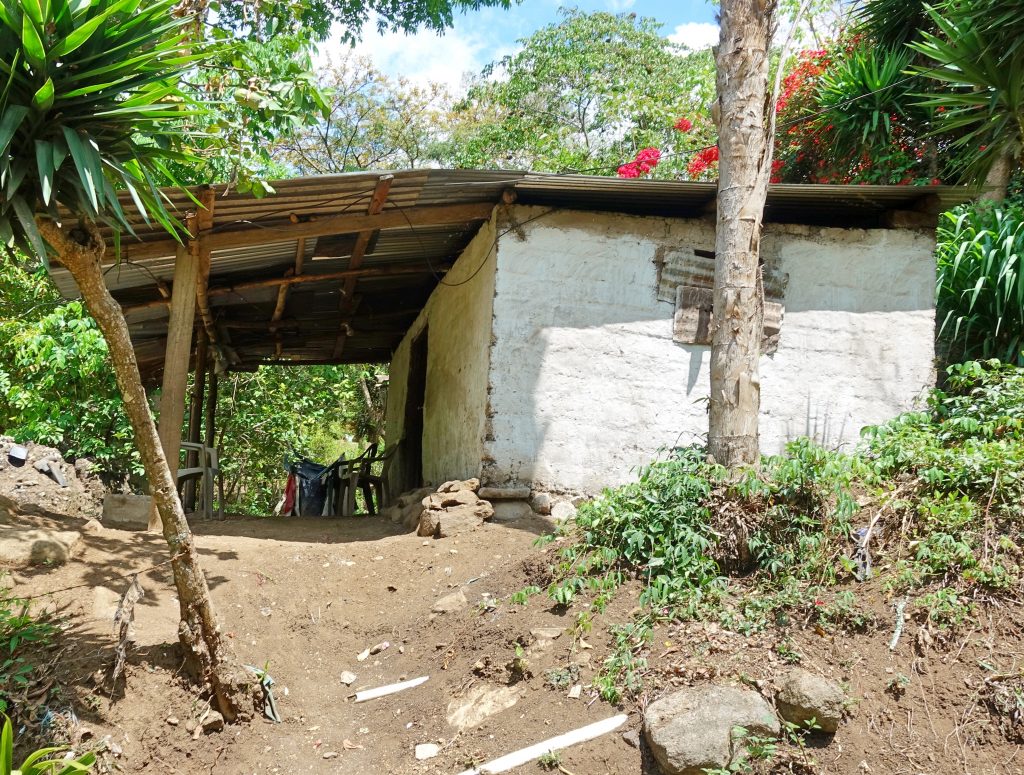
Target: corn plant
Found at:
980, 284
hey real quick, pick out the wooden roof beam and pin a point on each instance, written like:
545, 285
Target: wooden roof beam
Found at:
286, 231
393, 270
347, 304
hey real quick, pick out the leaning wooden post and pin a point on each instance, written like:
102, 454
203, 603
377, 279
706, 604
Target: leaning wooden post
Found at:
195, 416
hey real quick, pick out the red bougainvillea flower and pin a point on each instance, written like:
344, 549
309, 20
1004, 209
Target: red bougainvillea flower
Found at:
776, 177
683, 125
645, 161
630, 170
703, 159
648, 159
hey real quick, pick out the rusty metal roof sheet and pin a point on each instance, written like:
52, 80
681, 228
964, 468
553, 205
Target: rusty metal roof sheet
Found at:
428, 218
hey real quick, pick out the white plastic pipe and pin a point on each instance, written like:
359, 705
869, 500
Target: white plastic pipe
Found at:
524, 755
383, 691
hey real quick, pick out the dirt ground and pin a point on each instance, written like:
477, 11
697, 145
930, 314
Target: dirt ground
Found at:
304, 597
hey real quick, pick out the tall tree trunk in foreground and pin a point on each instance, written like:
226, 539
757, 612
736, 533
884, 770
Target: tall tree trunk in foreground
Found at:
744, 140
207, 655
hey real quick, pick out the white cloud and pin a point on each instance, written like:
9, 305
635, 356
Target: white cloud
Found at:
695, 35
422, 57
619, 5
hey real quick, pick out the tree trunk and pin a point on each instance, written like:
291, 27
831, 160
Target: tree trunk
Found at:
207, 655
998, 179
744, 140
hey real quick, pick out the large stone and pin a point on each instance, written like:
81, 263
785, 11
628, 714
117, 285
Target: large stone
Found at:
456, 601
541, 502
504, 493
21, 546
804, 696
125, 511
471, 485
694, 729
457, 498
563, 511
444, 522
478, 704
511, 511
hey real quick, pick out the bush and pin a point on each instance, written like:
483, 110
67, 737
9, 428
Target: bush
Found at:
930, 496
980, 286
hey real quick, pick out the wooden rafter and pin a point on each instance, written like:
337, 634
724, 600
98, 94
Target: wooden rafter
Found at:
348, 302
277, 231
393, 270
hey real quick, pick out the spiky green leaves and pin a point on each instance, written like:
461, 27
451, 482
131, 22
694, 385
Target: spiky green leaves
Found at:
89, 107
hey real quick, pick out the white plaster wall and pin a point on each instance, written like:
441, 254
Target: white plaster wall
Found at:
586, 383
458, 340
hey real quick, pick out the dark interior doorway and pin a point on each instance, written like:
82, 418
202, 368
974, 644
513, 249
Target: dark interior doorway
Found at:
415, 398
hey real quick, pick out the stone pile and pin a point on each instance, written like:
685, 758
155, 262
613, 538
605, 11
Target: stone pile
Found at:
44, 484
701, 728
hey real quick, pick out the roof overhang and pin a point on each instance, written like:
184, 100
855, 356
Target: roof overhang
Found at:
335, 268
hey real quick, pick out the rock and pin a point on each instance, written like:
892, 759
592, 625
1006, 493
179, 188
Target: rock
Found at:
511, 511
348, 678
213, 722
413, 496
804, 696
457, 498
541, 502
21, 545
427, 750
104, 604
456, 601
444, 522
480, 703
330, 754
92, 526
562, 511
504, 493
455, 486
692, 730
575, 692
128, 512
544, 636
632, 738
172, 721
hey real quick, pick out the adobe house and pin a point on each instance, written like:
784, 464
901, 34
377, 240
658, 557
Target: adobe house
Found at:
542, 330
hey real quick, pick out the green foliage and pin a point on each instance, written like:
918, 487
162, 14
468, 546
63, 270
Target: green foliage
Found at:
20, 631
981, 67
268, 416
980, 282
584, 95
747, 552
372, 121
89, 104
56, 383
44, 761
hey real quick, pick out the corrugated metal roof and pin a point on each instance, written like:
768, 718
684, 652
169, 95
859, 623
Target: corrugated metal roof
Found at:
447, 207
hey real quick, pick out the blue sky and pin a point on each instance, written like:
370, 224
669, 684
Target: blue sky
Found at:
481, 36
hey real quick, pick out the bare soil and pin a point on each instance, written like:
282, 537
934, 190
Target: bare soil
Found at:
304, 597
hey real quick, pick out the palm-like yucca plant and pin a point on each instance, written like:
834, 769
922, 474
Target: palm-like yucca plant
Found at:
982, 66
981, 282
89, 104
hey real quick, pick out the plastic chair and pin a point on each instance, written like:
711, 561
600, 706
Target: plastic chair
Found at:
207, 469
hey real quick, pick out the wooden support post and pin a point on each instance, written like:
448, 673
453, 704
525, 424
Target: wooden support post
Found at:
179, 347
195, 418
210, 421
